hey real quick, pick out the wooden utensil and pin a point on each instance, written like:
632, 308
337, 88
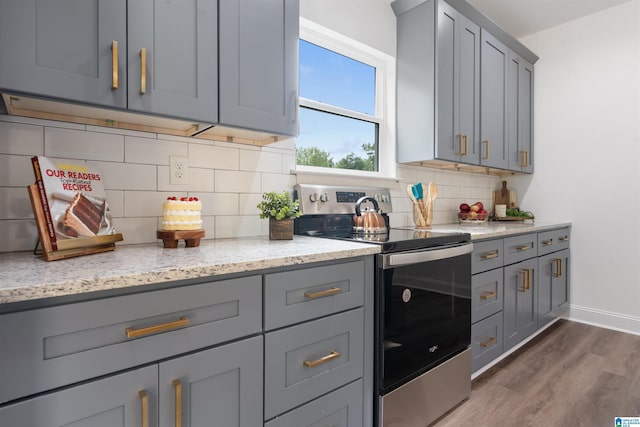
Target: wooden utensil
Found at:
504, 196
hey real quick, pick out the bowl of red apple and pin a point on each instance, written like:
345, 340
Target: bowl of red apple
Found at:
473, 214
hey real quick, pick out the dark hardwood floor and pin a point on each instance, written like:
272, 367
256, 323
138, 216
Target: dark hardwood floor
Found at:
572, 374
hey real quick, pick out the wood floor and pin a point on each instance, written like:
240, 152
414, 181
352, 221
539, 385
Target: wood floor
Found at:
572, 374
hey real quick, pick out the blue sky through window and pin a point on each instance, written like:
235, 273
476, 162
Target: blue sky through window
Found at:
331, 78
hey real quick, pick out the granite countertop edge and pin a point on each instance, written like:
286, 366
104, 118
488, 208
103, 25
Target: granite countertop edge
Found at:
25, 277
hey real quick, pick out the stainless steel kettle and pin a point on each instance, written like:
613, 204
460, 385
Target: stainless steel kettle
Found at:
367, 220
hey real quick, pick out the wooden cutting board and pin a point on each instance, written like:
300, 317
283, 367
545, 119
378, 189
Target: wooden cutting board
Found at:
504, 196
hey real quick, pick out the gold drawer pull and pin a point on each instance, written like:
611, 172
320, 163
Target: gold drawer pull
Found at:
558, 263
144, 406
466, 144
177, 387
523, 248
488, 342
324, 359
564, 239
488, 295
490, 255
547, 242
321, 294
134, 333
526, 280
114, 65
143, 71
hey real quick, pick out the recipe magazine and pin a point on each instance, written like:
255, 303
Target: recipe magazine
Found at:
73, 199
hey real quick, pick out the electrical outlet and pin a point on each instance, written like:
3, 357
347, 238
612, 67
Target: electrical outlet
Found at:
179, 170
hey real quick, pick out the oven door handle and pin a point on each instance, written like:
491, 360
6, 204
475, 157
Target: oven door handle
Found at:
408, 258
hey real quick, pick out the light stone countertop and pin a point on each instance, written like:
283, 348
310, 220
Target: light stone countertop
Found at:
25, 277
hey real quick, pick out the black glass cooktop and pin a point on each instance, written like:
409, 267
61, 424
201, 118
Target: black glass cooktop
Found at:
398, 239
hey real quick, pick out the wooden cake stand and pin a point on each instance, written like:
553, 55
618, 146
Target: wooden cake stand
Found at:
170, 238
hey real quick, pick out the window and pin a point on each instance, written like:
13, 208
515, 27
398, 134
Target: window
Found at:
343, 125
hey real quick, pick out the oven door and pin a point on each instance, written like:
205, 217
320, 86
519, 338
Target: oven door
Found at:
423, 311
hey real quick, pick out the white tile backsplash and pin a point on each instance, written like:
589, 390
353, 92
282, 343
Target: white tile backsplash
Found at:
229, 178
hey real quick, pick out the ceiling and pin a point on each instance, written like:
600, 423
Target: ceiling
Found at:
523, 17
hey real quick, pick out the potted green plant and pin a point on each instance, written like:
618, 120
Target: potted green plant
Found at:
281, 209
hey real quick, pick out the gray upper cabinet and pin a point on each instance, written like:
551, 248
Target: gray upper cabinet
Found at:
259, 65
172, 58
520, 114
458, 86
65, 49
493, 103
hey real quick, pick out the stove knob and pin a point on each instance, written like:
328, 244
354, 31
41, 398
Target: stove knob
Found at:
324, 197
313, 197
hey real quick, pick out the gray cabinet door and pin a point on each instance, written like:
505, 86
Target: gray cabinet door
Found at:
115, 401
458, 86
259, 65
221, 387
493, 103
520, 301
561, 274
179, 76
520, 114
64, 49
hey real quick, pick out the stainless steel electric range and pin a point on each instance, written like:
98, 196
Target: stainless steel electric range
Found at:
422, 307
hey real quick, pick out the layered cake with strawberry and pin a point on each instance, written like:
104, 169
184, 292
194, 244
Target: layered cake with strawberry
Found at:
184, 213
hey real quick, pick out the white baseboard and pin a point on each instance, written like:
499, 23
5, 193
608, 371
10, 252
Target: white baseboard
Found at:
605, 319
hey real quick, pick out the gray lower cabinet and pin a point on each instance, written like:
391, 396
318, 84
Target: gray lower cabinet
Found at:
259, 65
553, 282
486, 340
520, 301
118, 401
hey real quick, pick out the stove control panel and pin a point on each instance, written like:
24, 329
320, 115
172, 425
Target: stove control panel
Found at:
324, 199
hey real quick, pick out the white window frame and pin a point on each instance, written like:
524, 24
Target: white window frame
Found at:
384, 114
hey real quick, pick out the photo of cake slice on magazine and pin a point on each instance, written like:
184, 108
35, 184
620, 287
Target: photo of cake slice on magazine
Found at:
73, 199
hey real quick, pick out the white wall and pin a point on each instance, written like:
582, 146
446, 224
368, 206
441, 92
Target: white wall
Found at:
587, 154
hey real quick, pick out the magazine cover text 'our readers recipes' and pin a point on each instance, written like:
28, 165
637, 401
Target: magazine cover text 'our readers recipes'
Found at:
73, 199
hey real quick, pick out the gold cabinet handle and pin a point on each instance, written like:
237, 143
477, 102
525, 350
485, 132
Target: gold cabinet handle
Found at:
463, 146
526, 280
324, 359
564, 239
143, 71
114, 65
547, 242
486, 149
487, 343
490, 255
322, 294
177, 387
488, 295
524, 158
144, 406
460, 149
558, 263
466, 144
523, 248
134, 333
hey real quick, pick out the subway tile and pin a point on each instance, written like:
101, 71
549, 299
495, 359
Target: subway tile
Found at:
277, 182
236, 145
218, 203
115, 199
143, 203
249, 203
124, 176
117, 131
187, 139
199, 180
18, 235
42, 122
73, 144
213, 157
152, 151
237, 226
288, 163
237, 182
16, 171
137, 230
260, 161
18, 138
15, 203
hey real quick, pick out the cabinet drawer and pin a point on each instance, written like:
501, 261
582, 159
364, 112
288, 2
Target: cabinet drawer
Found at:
554, 240
518, 248
295, 371
341, 408
486, 340
487, 255
60, 345
486, 294
296, 296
